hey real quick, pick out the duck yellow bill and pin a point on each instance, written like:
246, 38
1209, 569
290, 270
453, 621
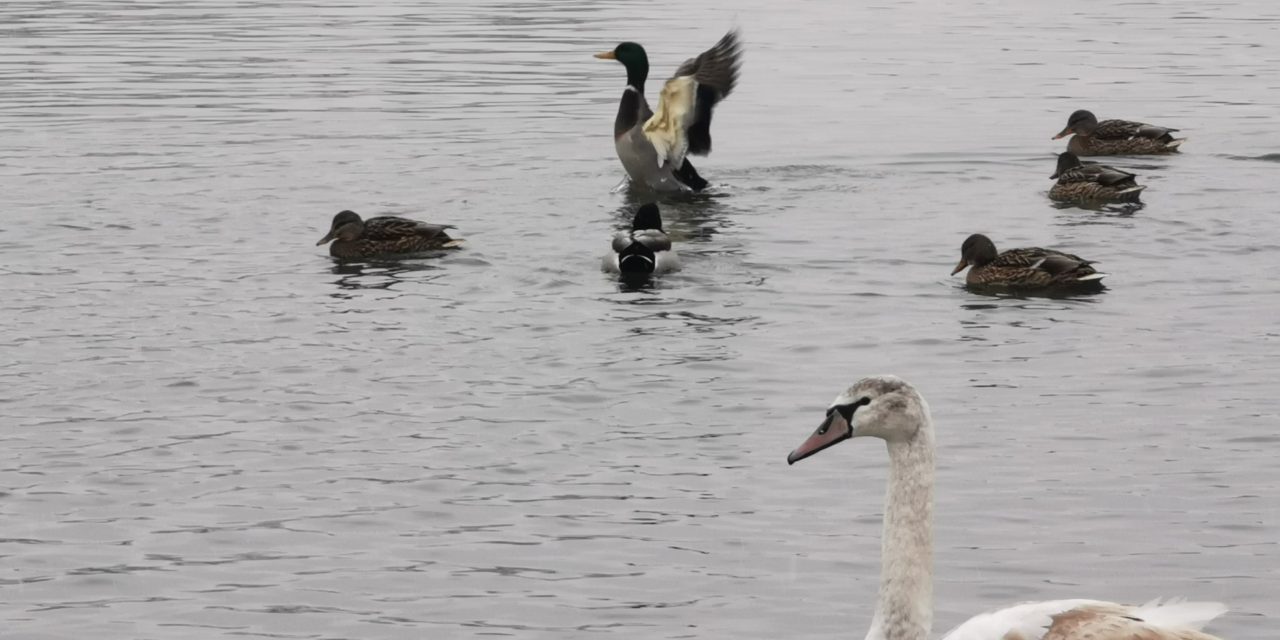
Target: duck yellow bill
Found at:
831, 432
1064, 133
606, 55
960, 266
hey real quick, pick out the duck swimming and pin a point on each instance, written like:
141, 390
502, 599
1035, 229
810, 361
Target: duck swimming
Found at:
384, 236
1029, 268
1116, 137
1092, 183
653, 146
645, 249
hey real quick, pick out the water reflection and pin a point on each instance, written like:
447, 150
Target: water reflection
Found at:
383, 274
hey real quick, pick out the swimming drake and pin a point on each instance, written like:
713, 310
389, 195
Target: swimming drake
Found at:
1116, 137
653, 145
1029, 268
384, 236
1092, 183
645, 250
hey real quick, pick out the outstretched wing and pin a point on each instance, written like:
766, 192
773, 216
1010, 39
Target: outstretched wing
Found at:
682, 122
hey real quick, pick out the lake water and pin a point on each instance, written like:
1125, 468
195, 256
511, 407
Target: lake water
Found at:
211, 430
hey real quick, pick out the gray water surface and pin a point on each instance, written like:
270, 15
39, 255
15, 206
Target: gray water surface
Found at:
211, 430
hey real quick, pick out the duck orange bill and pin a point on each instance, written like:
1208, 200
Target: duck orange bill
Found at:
832, 431
606, 55
1064, 133
960, 266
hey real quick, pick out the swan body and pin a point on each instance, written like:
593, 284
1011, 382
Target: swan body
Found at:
889, 408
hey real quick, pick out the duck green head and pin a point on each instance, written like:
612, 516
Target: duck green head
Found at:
347, 225
633, 57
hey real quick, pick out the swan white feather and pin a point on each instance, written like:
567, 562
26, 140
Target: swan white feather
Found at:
889, 408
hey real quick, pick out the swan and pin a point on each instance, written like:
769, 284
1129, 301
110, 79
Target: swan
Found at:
889, 408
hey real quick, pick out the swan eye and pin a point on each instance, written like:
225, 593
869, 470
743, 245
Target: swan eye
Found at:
846, 410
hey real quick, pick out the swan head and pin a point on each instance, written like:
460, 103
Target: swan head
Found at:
885, 407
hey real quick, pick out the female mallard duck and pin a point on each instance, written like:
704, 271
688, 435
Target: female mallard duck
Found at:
1029, 268
1116, 137
384, 236
652, 146
645, 249
1092, 183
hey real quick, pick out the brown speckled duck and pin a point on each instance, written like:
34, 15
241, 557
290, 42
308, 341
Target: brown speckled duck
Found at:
1116, 137
1029, 268
1092, 183
383, 237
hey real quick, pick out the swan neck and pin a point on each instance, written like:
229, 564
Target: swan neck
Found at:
905, 607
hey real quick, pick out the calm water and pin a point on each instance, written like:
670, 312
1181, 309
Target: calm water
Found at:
213, 431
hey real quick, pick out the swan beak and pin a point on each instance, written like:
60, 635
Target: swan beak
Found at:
325, 239
960, 266
606, 55
1064, 133
832, 431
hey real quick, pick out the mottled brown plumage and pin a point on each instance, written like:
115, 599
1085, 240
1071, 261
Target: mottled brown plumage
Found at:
1092, 183
384, 236
1116, 137
1027, 268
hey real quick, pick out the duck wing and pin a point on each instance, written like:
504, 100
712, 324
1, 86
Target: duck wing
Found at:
652, 239
1125, 130
1025, 257
1099, 173
392, 228
682, 122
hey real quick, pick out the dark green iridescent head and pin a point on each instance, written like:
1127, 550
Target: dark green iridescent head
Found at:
633, 57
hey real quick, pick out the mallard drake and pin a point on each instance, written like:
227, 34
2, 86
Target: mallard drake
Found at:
1092, 183
645, 249
1116, 137
383, 236
653, 145
1029, 268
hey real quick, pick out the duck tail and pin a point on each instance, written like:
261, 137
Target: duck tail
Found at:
636, 258
1093, 277
1173, 145
1131, 194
